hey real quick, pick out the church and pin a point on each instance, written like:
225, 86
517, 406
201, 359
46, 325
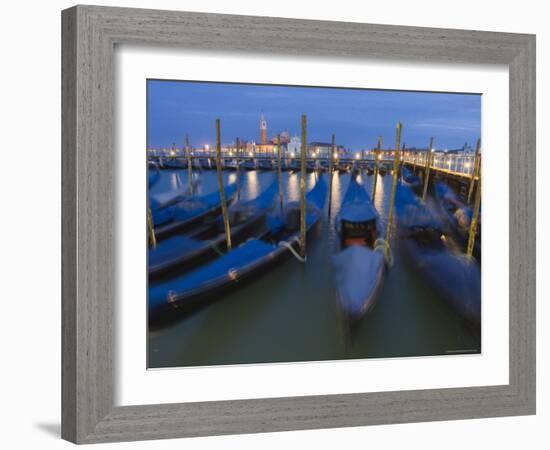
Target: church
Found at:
268, 146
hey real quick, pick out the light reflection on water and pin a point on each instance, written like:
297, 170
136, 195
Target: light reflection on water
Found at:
334, 208
175, 180
289, 313
380, 195
293, 189
253, 184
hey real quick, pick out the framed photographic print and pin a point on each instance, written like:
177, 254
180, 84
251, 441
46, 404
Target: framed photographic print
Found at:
277, 224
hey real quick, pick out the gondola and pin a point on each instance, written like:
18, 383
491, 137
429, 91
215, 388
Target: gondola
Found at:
343, 167
458, 216
175, 163
186, 294
163, 200
249, 164
153, 174
163, 205
359, 267
205, 164
294, 165
232, 164
311, 166
452, 274
382, 169
185, 251
188, 212
265, 164
411, 180
323, 165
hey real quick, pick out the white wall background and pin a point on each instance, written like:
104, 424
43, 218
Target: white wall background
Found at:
30, 223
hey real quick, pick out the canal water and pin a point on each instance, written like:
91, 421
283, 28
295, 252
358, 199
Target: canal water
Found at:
290, 313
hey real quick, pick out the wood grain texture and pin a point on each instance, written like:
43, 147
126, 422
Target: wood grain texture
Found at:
68, 224
89, 36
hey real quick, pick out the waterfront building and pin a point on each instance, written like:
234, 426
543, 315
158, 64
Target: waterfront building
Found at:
293, 147
263, 130
285, 137
323, 150
265, 147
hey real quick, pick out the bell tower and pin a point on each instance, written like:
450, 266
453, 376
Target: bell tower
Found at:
263, 130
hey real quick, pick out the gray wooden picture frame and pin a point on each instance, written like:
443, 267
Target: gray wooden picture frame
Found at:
89, 36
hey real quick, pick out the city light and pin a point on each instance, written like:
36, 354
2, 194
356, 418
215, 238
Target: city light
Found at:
249, 153
335, 155
357, 156
206, 147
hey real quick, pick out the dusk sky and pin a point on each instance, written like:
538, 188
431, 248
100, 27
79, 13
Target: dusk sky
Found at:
356, 116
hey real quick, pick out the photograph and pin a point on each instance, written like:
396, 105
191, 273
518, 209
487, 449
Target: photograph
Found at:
291, 224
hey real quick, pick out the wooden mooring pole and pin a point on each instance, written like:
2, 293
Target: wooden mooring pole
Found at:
475, 218
376, 158
402, 160
237, 168
151, 228
220, 186
475, 170
303, 151
427, 169
279, 172
330, 168
189, 165
394, 183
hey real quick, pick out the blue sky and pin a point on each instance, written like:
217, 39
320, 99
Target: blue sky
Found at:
356, 116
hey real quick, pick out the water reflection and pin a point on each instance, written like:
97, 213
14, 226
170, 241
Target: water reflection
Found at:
409, 318
253, 184
379, 196
293, 187
175, 181
311, 179
336, 195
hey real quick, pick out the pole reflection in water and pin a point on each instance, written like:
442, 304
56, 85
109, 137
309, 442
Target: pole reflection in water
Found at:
290, 314
175, 181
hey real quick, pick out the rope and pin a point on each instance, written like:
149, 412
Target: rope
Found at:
382, 245
288, 245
